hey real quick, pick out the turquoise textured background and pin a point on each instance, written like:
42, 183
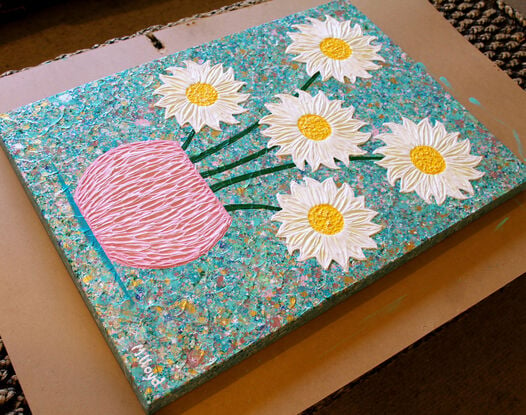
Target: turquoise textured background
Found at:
196, 319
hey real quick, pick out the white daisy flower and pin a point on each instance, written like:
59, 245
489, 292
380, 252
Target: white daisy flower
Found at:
334, 49
201, 95
315, 130
428, 160
325, 222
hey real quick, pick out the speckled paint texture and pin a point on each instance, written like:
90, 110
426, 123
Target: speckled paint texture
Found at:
186, 324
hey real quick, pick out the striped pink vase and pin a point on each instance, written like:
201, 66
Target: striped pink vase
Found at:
148, 206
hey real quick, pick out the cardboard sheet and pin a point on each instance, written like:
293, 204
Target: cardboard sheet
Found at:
54, 338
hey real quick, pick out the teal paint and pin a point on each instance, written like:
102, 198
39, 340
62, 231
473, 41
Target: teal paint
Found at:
444, 80
387, 309
90, 236
501, 223
519, 143
364, 324
201, 317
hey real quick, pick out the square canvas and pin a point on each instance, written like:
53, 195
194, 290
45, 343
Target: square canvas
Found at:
208, 202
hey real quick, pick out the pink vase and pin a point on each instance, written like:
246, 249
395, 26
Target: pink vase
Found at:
149, 207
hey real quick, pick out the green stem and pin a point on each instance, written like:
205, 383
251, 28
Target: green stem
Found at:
263, 151
363, 158
223, 144
233, 180
310, 81
241, 134
239, 162
188, 139
230, 208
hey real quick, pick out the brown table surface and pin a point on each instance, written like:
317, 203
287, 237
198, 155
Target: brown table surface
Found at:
55, 345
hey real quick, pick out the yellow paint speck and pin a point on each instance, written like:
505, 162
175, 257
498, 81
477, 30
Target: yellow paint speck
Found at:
186, 305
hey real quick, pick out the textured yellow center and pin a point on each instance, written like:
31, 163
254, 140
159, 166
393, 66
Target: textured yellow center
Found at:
314, 127
428, 160
326, 219
201, 94
335, 48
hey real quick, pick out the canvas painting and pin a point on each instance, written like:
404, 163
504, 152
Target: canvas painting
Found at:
208, 202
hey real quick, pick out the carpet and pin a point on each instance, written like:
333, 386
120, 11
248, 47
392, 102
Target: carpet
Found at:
475, 363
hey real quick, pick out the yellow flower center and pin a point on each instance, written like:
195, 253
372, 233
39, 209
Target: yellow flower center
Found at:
335, 48
202, 94
314, 127
326, 219
427, 160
